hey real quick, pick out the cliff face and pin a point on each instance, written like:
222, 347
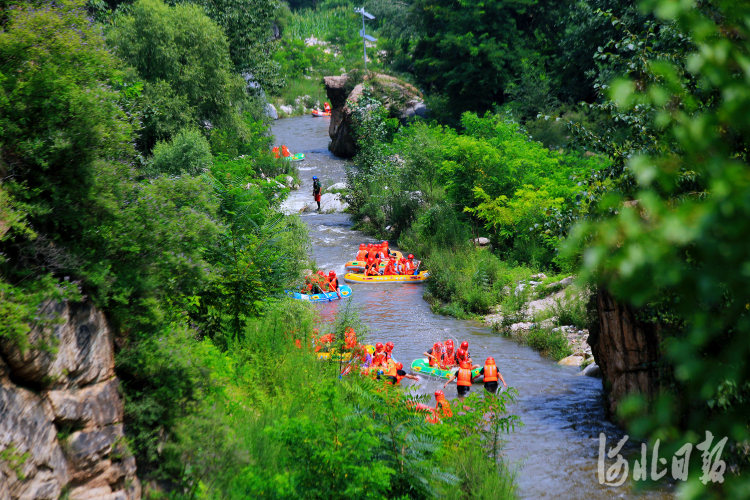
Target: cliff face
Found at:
626, 350
61, 429
342, 143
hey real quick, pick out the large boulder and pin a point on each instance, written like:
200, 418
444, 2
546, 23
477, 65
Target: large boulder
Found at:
61, 413
329, 203
393, 92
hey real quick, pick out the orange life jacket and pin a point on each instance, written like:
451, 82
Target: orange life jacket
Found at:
490, 373
464, 377
326, 107
443, 408
362, 255
275, 151
285, 151
448, 359
351, 338
409, 267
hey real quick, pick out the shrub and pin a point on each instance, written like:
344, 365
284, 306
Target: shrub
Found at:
187, 153
549, 343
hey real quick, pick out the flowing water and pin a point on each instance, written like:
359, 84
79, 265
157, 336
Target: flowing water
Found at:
555, 453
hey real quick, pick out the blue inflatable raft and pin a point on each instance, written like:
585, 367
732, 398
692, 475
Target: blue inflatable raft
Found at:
321, 297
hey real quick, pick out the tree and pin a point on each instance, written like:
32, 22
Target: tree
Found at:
183, 57
469, 51
688, 252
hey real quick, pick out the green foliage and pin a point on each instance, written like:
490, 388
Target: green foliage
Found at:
469, 51
186, 55
187, 153
551, 343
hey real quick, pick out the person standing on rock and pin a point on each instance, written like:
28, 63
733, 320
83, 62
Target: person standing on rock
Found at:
316, 190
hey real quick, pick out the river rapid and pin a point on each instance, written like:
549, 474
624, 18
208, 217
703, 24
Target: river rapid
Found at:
556, 451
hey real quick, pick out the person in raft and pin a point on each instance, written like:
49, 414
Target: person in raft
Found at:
316, 190
435, 354
326, 107
410, 267
463, 379
449, 356
491, 376
285, 151
391, 268
333, 283
463, 355
362, 253
442, 406
378, 359
396, 374
389, 346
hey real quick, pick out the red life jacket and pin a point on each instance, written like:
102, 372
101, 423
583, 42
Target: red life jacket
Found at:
443, 408
362, 255
490, 373
464, 377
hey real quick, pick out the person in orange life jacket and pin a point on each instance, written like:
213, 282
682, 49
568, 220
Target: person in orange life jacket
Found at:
350, 338
390, 268
463, 379
371, 266
326, 107
413, 267
491, 376
378, 359
382, 252
275, 152
285, 151
435, 354
333, 282
389, 352
385, 248
362, 254
396, 374
442, 406
465, 356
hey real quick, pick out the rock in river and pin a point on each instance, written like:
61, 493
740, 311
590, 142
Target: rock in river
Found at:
329, 203
592, 370
571, 361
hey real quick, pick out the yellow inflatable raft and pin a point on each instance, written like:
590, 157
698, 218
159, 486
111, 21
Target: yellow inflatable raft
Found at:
361, 278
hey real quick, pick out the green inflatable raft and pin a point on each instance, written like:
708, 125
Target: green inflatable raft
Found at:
422, 367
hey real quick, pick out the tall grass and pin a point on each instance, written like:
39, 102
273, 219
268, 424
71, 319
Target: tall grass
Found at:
317, 23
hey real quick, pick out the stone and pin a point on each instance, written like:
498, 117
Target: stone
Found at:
338, 185
340, 128
329, 203
414, 109
271, 111
563, 283
539, 277
74, 389
289, 180
571, 361
287, 109
482, 241
592, 370
520, 288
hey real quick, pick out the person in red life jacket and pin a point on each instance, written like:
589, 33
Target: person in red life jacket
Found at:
362, 253
396, 374
463, 379
382, 253
378, 359
371, 266
326, 107
275, 152
285, 151
442, 406
491, 376
463, 355
449, 356
333, 283
389, 346
402, 266
435, 354
386, 250
411, 266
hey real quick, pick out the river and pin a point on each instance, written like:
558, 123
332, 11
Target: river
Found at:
555, 453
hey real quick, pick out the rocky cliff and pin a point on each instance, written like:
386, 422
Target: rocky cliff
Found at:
61, 431
395, 94
627, 351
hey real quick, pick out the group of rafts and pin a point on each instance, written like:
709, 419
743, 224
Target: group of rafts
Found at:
376, 263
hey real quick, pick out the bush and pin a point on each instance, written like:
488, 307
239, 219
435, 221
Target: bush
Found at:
187, 153
548, 342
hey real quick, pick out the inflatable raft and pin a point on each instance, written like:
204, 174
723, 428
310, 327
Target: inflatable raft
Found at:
338, 356
317, 112
297, 157
403, 278
422, 367
359, 265
321, 297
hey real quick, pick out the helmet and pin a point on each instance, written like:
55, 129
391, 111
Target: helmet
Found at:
389, 346
461, 353
449, 342
411, 256
332, 273
490, 361
315, 177
439, 395
465, 365
369, 245
385, 244
321, 273
378, 347
362, 245
449, 347
438, 346
464, 345
399, 366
